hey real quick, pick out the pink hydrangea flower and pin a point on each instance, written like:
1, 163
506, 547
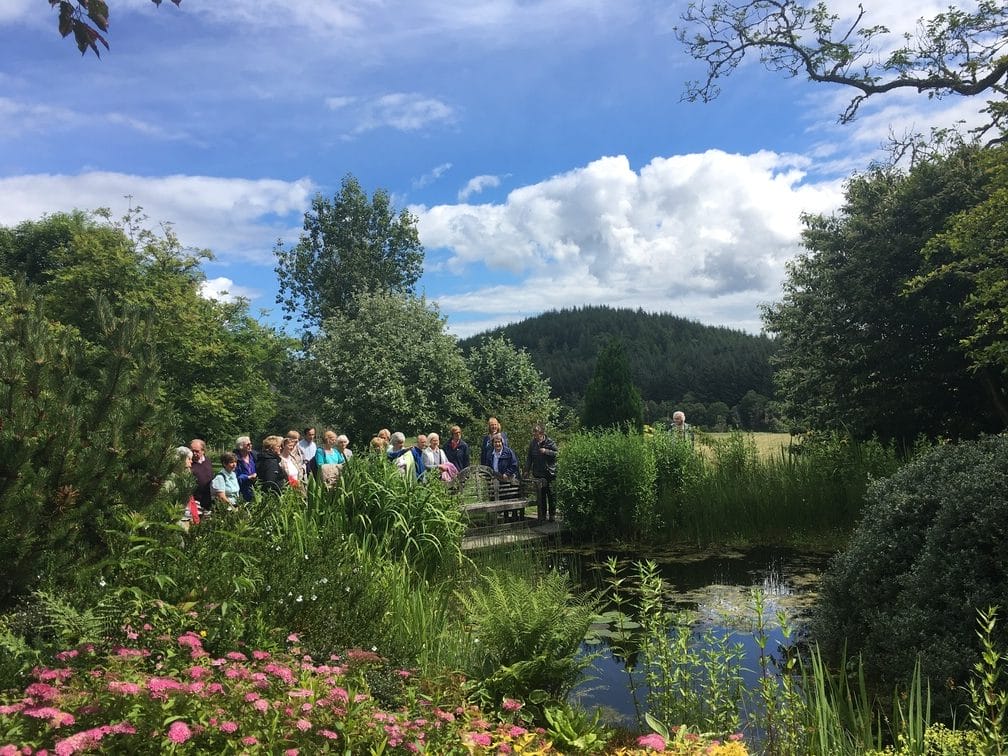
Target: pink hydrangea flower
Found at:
654, 741
304, 725
228, 727
510, 704
179, 732
481, 739
261, 705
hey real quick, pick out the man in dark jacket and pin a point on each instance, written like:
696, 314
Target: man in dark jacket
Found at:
202, 471
541, 465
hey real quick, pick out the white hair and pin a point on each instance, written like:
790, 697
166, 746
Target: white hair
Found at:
343, 438
433, 437
184, 452
242, 440
398, 438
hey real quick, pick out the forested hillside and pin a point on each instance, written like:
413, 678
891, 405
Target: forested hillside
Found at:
709, 372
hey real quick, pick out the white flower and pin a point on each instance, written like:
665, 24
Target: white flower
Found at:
101, 582
300, 598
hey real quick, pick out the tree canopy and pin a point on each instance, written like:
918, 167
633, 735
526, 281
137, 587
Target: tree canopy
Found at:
859, 349
957, 52
83, 19
611, 399
350, 246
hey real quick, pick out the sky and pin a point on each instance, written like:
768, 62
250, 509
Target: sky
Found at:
543, 145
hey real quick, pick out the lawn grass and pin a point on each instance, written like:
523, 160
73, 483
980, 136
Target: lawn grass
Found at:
768, 445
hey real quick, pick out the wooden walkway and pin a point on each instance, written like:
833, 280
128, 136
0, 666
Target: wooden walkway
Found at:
532, 532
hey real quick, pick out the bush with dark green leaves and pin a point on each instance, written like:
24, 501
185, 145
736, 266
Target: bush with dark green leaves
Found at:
929, 552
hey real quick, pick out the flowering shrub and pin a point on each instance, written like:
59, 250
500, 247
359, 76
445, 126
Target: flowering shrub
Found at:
167, 693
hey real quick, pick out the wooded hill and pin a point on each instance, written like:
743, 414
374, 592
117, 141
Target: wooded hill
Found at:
676, 363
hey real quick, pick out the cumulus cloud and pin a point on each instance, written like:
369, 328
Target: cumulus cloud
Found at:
225, 290
477, 184
705, 235
235, 218
402, 111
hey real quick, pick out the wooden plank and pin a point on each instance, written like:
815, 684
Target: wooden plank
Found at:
488, 507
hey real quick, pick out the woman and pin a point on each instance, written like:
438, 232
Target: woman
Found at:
434, 457
329, 460
290, 461
225, 487
246, 469
487, 448
343, 446
457, 450
272, 478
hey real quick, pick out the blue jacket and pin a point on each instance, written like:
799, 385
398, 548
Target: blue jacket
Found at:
459, 456
508, 463
486, 448
243, 470
418, 464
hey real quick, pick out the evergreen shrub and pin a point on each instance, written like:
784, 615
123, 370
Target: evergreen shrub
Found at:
928, 553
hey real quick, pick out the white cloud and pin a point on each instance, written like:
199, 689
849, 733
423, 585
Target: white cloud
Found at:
402, 111
477, 184
432, 175
705, 235
225, 290
18, 116
238, 219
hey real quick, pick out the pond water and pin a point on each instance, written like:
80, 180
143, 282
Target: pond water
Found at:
717, 586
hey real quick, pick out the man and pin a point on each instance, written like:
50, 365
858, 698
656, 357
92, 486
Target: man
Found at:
541, 465
486, 447
680, 428
308, 448
503, 461
203, 472
409, 459
457, 450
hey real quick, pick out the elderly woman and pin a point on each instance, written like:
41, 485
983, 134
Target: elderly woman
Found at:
246, 469
503, 461
291, 462
343, 446
329, 460
435, 458
225, 487
272, 478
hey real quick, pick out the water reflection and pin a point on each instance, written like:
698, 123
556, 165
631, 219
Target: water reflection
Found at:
717, 588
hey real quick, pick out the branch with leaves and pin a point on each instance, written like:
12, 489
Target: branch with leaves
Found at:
83, 19
954, 53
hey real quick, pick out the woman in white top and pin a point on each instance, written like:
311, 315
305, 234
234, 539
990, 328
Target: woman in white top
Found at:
435, 458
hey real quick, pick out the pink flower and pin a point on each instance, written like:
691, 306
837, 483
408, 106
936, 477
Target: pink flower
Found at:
511, 704
261, 705
516, 732
293, 638
654, 741
291, 752
249, 741
56, 717
179, 732
123, 688
228, 727
41, 690
47, 675
9, 750
236, 656
481, 739
304, 725
198, 673
340, 693
65, 655
329, 734
260, 655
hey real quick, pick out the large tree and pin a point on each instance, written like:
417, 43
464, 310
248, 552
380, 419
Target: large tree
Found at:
218, 366
391, 365
611, 399
350, 246
858, 350
956, 53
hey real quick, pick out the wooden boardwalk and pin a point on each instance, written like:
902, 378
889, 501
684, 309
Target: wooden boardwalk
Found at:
532, 532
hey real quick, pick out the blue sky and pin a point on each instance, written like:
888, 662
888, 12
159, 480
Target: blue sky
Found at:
542, 144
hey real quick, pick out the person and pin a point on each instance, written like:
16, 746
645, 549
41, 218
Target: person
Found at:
295, 451
378, 445
225, 486
408, 459
486, 447
202, 471
290, 461
246, 469
681, 430
343, 445
178, 484
434, 458
386, 435
541, 465
271, 475
308, 448
457, 450
503, 461
328, 459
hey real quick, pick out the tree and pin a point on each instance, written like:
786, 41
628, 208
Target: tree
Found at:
218, 366
350, 246
84, 437
509, 387
392, 364
81, 18
859, 352
611, 399
954, 53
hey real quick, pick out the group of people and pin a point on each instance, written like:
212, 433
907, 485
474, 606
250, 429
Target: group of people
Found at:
289, 460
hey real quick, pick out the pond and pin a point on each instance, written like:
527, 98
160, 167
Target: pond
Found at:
716, 586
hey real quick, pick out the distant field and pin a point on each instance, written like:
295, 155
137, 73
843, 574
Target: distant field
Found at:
769, 444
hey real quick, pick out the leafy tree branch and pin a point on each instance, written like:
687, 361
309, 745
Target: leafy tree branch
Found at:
83, 19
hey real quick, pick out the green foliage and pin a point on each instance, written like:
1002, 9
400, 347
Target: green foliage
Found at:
606, 485
509, 387
860, 352
350, 246
526, 633
83, 19
927, 552
391, 365
611, 399
573, 731
84, 437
